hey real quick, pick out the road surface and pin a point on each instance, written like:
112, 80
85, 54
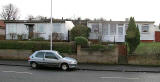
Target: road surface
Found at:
26, 74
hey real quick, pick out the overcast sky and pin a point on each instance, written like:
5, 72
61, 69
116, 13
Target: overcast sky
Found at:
142, 10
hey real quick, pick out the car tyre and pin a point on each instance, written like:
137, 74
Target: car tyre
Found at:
34, 65
64, 67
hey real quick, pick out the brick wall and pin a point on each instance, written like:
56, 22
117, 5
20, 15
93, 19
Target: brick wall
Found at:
143, 59
83, 56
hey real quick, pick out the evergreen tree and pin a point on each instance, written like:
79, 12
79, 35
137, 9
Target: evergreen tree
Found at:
80, 30
133, 35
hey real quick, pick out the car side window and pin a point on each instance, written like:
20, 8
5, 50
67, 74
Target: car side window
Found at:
40, 54
50, 55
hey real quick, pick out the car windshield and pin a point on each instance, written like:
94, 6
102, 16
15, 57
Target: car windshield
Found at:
60, 54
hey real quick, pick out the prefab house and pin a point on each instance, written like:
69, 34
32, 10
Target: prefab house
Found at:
29, 29
115, 31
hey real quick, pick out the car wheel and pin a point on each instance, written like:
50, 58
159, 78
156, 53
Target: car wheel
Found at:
64, 67
34, 65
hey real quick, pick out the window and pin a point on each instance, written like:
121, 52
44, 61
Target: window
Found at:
95, 28
57, 28
105, 29
40, 54
120, 29
41, 28
145, 28
113, 29
50, 55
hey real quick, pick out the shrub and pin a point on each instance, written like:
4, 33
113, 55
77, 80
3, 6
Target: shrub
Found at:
79, 30
38, 39
63, 47
81, 41
97, 47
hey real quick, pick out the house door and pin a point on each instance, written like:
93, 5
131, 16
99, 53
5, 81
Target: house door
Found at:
30, 30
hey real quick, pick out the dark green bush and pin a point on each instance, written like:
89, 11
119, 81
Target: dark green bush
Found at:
81, 41
97, 47
63, 47
38, 39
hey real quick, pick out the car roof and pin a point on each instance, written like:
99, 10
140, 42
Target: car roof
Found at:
47, 50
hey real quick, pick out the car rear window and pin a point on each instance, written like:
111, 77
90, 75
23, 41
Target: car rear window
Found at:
40, 54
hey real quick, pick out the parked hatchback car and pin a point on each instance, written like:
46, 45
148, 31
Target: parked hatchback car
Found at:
51, 58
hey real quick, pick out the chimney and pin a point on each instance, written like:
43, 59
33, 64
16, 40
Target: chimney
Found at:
126, 19
110, 19
14, 19
62, 18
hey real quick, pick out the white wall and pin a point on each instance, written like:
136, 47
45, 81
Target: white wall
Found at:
121, 38
148, 35
43, 28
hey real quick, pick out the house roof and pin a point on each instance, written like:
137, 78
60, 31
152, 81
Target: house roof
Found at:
2, 24
34, 21
119, 22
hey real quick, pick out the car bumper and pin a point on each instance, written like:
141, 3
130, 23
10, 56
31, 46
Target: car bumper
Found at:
72, 65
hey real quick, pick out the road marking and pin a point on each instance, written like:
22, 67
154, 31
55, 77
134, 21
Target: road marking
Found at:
118, 78
17, 72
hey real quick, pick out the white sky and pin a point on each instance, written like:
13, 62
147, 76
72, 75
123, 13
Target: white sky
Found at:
142, 10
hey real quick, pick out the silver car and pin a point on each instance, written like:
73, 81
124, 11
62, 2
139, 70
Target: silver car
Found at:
52, 59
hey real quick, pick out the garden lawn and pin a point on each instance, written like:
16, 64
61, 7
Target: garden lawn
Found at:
148, 48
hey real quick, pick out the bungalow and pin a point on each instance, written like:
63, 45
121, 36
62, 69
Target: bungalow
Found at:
115, 31
29, 29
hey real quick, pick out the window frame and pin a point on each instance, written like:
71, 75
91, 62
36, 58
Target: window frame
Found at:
95, 28
113, 29
120, 26
143, 30
40, 52
55, 57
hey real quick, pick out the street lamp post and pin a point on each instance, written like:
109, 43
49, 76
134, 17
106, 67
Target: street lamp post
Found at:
51, 28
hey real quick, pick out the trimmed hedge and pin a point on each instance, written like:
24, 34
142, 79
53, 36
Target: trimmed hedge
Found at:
81, 41
63, 47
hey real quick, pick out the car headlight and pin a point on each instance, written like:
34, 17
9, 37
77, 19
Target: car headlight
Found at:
73, 62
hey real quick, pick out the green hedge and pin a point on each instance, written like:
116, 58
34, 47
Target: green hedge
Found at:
63, 47
81, 41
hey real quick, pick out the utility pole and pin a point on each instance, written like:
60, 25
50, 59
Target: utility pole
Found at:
51, 28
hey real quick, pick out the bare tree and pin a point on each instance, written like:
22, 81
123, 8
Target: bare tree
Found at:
9, 12
40, 17
30, 17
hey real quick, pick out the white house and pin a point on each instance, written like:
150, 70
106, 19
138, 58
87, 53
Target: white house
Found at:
37, 28
115, 31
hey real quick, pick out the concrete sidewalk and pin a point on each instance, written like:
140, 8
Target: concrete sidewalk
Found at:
94, 67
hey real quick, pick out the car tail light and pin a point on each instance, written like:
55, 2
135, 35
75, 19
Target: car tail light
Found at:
28, 58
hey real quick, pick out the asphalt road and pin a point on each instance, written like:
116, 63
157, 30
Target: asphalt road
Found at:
26, 74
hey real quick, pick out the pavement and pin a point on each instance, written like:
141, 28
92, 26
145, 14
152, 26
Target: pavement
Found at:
95, 67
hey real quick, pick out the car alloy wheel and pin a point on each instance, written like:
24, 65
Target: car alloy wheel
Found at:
34, 65
64, 67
